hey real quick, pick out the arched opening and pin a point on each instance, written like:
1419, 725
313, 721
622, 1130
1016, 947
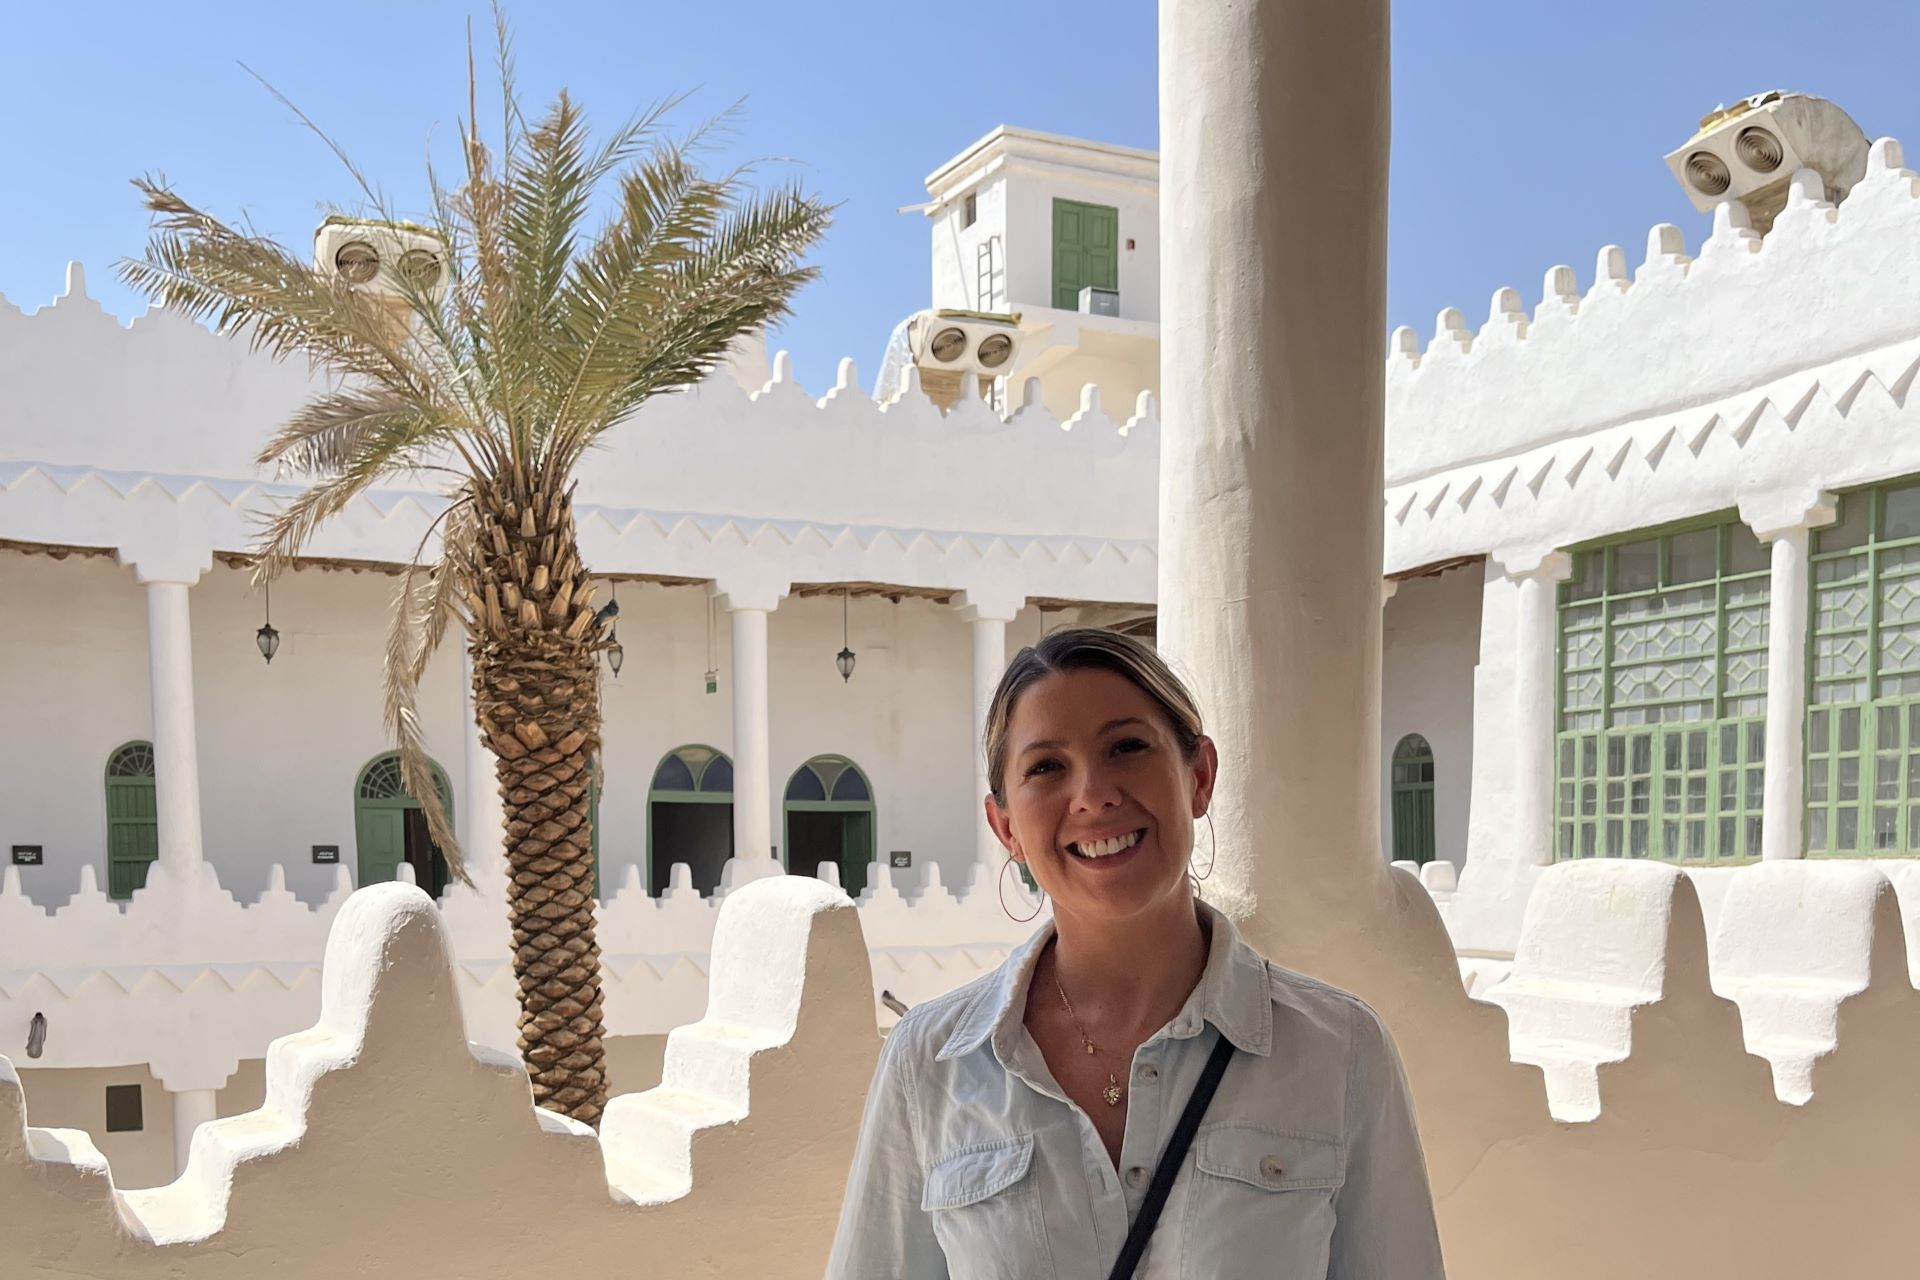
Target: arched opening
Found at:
1413, 800
133, 828
690, 817
390, 828
829, 818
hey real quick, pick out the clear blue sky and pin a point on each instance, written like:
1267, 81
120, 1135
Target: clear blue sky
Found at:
1526, 133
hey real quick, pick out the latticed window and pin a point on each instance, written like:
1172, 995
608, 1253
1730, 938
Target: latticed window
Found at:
1663, 677
1863, 717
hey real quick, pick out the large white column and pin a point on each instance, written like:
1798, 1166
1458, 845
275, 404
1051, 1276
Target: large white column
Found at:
753, 834
1535, 671
987, 615
1783, 813
191, 1109
176, 751
1273, 202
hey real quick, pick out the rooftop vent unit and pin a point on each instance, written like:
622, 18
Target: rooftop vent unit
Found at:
380, 259
949, 343
1749, 152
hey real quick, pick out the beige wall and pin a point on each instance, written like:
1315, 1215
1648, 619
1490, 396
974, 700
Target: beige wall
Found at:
76, 1098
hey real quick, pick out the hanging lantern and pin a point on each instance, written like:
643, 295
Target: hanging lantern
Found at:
267, 637
608, 612
844, 659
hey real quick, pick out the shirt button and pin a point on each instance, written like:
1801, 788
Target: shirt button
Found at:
1147, 1074
1136, 1177
1270, 1168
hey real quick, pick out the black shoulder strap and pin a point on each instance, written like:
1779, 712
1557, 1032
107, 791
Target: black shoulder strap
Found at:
1169, 1166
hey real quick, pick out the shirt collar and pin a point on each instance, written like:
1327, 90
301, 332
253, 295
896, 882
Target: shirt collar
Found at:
1235, 995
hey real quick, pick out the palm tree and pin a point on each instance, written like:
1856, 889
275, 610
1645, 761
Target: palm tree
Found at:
547, 337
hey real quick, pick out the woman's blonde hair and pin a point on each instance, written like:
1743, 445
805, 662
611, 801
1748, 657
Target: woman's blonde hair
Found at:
1081, 649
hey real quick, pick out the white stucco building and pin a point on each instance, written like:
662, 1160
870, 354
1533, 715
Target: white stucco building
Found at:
1646, 595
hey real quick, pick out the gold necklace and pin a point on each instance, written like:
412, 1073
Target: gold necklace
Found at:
1112, 1093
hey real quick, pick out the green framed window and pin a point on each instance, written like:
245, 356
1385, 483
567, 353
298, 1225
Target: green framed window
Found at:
829, 817
1863, 703
1662, 696
133, 826
1086, 250
690, 817
1413, 800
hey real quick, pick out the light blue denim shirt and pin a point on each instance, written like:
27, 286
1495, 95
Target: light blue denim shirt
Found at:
972, 1164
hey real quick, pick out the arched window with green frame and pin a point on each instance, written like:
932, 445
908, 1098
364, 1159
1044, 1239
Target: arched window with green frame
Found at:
1663, 695
690, 817
390, 828
1413, 800
133, 828
829, 817
1863, 701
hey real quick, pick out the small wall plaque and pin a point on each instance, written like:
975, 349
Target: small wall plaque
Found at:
26, 855
900, 858
326, 853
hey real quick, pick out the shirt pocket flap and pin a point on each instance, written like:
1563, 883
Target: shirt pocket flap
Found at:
1271, 1159
972, 1174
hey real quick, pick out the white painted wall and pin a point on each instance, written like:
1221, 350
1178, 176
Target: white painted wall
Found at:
904, 717
281, 746
956, 247
1032, 187
1430, 647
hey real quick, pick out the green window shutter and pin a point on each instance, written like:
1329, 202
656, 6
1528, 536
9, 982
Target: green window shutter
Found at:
1863, 670
1413, 800
1086, 250
1662, 696
133, 828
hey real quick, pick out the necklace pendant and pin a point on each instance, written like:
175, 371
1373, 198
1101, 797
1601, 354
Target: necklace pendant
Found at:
1112, 1092
1089, 1048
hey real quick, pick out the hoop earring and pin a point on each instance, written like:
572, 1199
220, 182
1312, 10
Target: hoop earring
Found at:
1213, 850
1000, 886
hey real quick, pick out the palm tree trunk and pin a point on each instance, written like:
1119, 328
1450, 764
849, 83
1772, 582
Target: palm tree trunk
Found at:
536, 697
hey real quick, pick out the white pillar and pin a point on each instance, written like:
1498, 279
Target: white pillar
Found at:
752, 772
191, 1109
753, 833
1535, 707
1273, 337
1783, 814
176, 752
988, 616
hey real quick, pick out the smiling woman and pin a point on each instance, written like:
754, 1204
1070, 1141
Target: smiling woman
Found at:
1002, 1136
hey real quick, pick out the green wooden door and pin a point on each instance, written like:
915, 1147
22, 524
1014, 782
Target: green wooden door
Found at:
856, 850
1413, 800
829, 814
133, 829
380, 808
1086, 250
381, 836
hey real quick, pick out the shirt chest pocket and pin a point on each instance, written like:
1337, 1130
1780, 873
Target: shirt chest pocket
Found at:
1264, 1195
984, 1203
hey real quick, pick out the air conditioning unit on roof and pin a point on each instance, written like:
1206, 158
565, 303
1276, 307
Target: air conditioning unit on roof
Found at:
1750, 151
1095, 301
382, 259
